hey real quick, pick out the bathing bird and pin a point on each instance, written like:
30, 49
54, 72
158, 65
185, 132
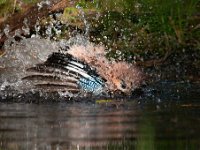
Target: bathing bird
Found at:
84, 69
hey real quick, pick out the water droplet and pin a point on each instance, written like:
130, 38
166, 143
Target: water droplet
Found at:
105, 37
6, 31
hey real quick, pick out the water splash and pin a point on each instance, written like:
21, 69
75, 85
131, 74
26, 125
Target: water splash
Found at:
6, 31
37, 28
26, 53
43, 3
21, 55
83, 17
25, 27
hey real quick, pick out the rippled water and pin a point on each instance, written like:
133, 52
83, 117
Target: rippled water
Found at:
168, 119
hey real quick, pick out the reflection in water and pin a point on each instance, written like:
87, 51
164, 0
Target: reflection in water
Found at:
171, 122
31, 126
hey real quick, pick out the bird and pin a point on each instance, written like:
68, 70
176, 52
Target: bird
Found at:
83, 69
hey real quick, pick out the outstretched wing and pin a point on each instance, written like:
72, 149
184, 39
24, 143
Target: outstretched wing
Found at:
62, 72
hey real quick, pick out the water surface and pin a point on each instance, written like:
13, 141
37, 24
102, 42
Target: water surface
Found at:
167, 119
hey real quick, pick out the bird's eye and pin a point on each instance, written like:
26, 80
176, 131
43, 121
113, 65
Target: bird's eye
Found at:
123, 84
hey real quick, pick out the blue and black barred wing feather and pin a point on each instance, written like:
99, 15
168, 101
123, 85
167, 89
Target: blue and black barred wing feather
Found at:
63, 72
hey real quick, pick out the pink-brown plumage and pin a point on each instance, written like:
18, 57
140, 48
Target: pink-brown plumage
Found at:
120, 75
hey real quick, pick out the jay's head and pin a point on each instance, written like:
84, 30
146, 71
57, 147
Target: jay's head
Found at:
124, 77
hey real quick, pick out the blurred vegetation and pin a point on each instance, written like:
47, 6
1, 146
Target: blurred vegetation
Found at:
145, 29
30, 1
8, 7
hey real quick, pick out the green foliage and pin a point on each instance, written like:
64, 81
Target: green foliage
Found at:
109, 5
84, 4
146, 29
115, 30
6, 6
70, 14
169, 17
31, 1
2, 2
